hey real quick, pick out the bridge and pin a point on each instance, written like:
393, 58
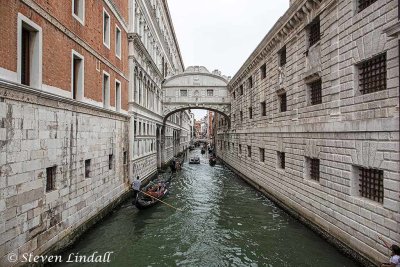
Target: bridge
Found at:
196, 88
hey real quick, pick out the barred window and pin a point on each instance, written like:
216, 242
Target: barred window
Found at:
313, 167
314, 32
372, 74
250, 112
283, 102
263, 109
262, 154
363, 4
241, 115
263, 71
250, 81
184, 92
51, 178
125, 157
210, 92
282, 56
281, 160
316, 92
110, 161
234, 95
249, 151
371, 184
87, 168
240, 149
241, 89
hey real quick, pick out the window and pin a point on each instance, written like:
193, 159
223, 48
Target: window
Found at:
241, 116
117, 95
106, 29
234, 95
281, 160
210, 92
316, 92
313, 168
370, 183
87, 168
184, 93
77, 76
263, 109
125, 157
249, 151
372, 74
78, 10
29, 53
250, 113
106, 90
263, 71
241, 89
110, 161
363, 4
282, 56
240, 149
118, 42
314, 34
262, 154
282, 102
250, 81
51, 178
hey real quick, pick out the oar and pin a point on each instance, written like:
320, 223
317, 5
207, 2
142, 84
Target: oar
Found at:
160, 200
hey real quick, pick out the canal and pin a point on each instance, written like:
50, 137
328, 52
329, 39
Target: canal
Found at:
223, 222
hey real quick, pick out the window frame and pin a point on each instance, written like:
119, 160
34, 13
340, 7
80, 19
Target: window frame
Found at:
118, 38
118, 99
81, 89
81, 20
105, 41
106, 91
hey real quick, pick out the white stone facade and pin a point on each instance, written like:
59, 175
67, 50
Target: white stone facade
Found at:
348, 130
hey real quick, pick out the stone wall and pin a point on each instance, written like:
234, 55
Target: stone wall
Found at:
38, 131
348, 130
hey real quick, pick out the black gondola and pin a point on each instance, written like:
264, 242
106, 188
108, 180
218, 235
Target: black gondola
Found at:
212, 161
145, 201
203, 151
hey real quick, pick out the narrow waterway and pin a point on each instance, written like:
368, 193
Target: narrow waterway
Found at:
224, 222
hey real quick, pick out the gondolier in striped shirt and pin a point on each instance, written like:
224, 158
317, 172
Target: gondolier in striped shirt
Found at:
136, 188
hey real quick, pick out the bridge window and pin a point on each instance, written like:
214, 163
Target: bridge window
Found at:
250, 81
263, 71
372, 74
210, 92
370, 183
315, 89
263, 109
282, 56
314, 32
262, 154
363, 4
281, 160
51, 178
184, 92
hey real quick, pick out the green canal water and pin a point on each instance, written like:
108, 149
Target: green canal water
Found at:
224, 222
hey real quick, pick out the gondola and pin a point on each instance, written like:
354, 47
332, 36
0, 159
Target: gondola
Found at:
145, 201
194, 160
212, 161
203, 151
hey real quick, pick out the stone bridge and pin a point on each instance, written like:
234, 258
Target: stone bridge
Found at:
196, 88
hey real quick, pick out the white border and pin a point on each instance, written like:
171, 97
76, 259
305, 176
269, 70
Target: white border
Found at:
109, 29
36, 76
81, 20
118, 96
106, 93
116, 42
80, 93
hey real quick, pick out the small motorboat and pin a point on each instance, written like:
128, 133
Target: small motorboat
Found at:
152, 193
212, 161
194, 160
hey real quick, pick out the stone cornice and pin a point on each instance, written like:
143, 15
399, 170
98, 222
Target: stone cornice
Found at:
137, 42
285, 25
393, 30
19, 92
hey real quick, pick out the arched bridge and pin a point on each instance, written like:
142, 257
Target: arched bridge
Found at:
196, 88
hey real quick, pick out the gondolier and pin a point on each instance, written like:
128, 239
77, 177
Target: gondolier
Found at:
136, 188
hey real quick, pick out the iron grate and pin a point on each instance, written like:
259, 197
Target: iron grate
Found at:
372, 74
363, 4
283, 102
316, 92
371, 184
314, 169
314, 34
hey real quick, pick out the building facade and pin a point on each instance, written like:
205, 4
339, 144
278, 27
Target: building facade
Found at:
80, 113
315, 119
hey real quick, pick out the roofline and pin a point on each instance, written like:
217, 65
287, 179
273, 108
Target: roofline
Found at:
195, 73
171, 25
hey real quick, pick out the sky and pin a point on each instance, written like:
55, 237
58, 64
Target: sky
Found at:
221, 34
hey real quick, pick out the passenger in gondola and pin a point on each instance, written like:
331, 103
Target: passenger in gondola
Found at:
173, 165
136, 188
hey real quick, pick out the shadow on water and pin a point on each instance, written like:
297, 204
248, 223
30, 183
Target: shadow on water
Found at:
224, 223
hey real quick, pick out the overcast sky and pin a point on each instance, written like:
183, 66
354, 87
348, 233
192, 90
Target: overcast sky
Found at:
221, 34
